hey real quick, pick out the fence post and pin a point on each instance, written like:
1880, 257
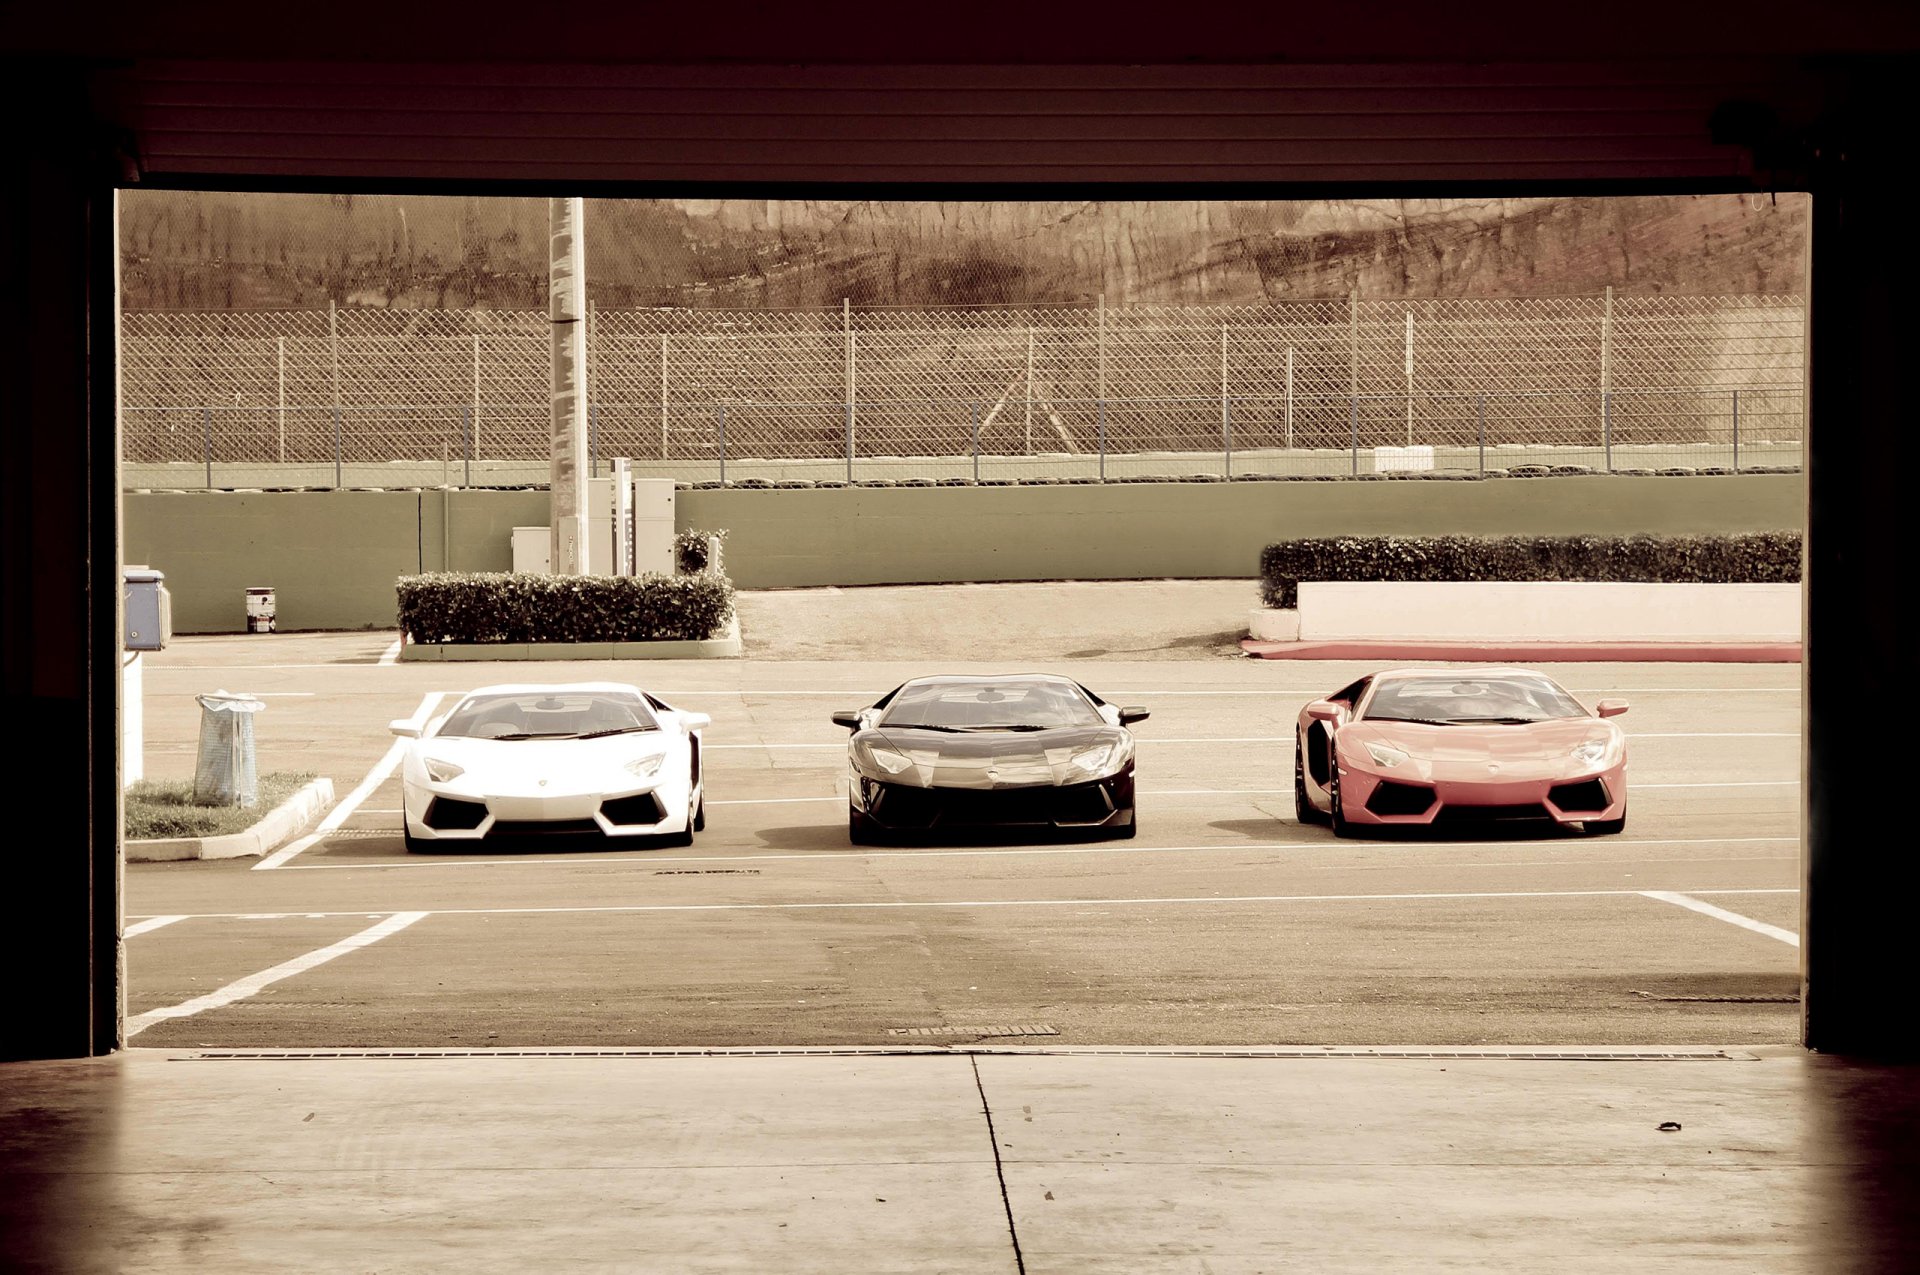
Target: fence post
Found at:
336, 447
1226, 432
846, 327
849, 442
721, 408
280, 348
333, 349
466, 432
1029, 389
473, 439
593, 440
1480, 429
1606, 349
663, 396
1353, 345
1353, 425
1736, 431
1289, 398
1223, 390
1103, 439
1606, 426
206, 442
976, 443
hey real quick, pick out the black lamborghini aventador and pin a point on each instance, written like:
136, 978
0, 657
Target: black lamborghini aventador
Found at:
954, 752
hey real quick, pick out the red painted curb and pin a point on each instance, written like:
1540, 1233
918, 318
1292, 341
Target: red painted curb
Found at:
1533, 652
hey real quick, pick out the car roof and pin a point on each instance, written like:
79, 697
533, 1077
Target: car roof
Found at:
554, 688
987, 679
1461, 673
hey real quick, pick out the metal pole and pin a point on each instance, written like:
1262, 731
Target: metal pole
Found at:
570, 546
333, 348
1353, 419
663, 396
1226, 428
1606, 426
280, 344
466, 431
473, 441
1029, 389
849, 442
1289, 398
1606, 351
1480, 424
846, 326
1353, 344
1736, 431
976, 442
1226, 431
1409, 378
722, 409
1100, 350
1103, 440
336, 446
593, 439
206, 442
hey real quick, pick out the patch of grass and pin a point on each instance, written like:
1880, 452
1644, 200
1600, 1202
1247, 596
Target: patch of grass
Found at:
156, 809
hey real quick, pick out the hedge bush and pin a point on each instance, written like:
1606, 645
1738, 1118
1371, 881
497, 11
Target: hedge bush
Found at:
690, 549
1768, 557
502, 607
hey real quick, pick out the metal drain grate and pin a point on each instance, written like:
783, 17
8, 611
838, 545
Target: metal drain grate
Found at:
707, 872
1017, 1029
352, 834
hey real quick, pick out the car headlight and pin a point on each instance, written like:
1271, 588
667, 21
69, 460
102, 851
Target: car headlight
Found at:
887, 759
1591, 753
442, 772
646, 767
1096, 761
1383, 755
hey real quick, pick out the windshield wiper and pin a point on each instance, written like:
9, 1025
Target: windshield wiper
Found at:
611, 730
1501, 721
922, 726
1010, 726
1421, 721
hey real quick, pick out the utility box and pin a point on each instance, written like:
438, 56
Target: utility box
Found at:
653, 526
532, 551
148, 623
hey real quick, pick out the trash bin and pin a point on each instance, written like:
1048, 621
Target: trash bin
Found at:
225, 772
260, 610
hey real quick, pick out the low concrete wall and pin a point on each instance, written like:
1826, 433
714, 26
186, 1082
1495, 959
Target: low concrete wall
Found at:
1547, 611
333, 556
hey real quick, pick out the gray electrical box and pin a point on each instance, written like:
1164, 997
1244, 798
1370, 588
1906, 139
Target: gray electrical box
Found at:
149, 611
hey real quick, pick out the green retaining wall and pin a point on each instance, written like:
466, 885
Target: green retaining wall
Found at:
332, 556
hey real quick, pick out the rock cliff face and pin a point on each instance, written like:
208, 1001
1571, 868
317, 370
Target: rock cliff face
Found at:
220, 251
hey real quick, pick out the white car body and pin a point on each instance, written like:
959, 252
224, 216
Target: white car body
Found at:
489, 786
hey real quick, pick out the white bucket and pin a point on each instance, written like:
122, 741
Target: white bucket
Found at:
259, 610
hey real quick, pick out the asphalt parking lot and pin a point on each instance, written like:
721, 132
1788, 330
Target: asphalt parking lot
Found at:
1225, 923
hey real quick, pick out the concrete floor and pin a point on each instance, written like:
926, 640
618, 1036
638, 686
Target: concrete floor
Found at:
166, 1161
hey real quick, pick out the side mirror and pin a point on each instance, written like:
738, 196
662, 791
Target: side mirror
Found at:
1610, 707
696, 721
849, 718
405, 727
1130, 715
1324, 710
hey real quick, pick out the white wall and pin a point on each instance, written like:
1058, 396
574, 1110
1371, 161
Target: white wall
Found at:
1549, 611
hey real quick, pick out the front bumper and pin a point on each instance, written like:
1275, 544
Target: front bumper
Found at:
1102, 803
1375, 797
438, 814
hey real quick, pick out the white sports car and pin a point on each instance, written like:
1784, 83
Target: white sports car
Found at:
597, 759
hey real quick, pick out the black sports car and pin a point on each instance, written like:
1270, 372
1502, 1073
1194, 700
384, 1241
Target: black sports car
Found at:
951, 752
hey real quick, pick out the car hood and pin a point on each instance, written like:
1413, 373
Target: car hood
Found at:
1530, 742
995, 759
546, 767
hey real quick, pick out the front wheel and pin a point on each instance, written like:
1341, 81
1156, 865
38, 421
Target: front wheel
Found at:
413, 844
1337, 816
1303, 808
700, 814
1605, 827
1131, 828
860, 829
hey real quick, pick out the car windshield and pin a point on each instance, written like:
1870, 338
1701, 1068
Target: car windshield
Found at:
1501, 699
967, 706
548, 715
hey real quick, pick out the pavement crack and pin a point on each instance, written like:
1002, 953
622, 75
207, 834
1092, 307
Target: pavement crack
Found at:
999, 1169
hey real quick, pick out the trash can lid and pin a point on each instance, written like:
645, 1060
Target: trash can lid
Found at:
230, 702
142, 575
260, 588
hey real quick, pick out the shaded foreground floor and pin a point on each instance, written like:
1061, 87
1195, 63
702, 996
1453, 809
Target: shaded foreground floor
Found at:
160, 1160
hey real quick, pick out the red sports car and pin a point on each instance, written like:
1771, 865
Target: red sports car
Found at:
1444, 746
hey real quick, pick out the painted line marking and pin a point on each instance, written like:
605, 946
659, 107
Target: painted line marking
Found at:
1732, 783
284, 694
382, 770
391, 655
903, 904
1721, 914
1160, 792
839, 856
240, 989
151, 924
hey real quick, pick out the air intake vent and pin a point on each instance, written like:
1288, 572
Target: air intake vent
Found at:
450, 814
1589, 796
1389, 798
631, 812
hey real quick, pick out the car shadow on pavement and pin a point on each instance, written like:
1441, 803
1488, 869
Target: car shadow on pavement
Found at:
1268, 829
834, 837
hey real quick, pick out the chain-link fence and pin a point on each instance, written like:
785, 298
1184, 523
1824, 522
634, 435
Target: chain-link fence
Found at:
379, 397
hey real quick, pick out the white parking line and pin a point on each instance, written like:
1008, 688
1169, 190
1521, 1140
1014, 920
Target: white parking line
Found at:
392, 654
382, 769
240, 989
1721, 914
149, 925
888, 905
839, 856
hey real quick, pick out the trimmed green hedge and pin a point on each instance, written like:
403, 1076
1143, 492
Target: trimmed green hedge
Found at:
690, 549
1767, 557
503, 607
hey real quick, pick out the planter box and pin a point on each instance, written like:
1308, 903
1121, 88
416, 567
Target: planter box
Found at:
1548, 611
276, 827
726, 647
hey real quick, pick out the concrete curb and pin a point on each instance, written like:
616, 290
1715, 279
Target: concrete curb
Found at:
1533, 652
280, 824
721, 648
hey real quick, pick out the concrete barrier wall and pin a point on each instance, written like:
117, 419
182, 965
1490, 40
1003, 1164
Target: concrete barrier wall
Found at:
1548, 611
333, 556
